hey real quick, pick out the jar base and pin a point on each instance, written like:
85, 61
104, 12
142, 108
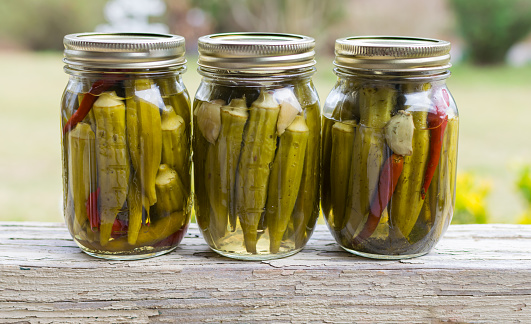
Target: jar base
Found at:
256, 257
125, 257
385, 256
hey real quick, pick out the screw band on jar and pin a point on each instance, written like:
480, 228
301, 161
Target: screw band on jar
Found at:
124, 50
256, 53
381, 54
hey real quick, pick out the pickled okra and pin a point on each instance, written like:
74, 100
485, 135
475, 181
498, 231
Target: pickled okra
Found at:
343, 134
221, 165
257, 153
174, 143
144, 134
171, 194
285, 180
81, 169
306, 210
369, 150
407, 201
112, 159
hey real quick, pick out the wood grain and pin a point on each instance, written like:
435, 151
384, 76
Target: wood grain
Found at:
477, 273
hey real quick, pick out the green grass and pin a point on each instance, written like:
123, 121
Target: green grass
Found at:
494, 130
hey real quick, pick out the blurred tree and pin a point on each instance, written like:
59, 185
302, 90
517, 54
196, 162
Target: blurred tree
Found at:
307, 17
491, 27
41, 25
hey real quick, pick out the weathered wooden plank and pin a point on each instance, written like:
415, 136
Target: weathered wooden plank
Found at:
477, 273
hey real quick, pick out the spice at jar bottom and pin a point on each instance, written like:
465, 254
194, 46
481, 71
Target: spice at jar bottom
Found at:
389, 147
125, 146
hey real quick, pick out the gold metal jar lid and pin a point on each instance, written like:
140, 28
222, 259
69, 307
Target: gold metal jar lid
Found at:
124, 50
256, 52
392, 54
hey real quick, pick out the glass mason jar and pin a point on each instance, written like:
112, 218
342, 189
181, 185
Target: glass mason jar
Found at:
126, 139
256, 138
390, 132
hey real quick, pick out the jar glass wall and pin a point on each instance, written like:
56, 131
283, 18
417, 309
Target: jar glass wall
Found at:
256, 154
389, 152
125, 147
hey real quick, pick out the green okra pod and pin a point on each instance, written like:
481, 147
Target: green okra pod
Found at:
407, 203
326, 152
81, 169
306, 208
112, 160
233, 122
257, 153
285, 180
202, 204
175, 151
221, 164
144, 133
135, 201
170, 191
175, 95
443, 193
343, 134
376, 104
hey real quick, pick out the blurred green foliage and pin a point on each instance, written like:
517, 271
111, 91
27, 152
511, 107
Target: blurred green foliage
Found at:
523, 185
41, 25
471, 200
491, 27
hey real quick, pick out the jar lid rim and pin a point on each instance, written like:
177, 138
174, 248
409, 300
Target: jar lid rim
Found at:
392, 53
257, 52
124, 50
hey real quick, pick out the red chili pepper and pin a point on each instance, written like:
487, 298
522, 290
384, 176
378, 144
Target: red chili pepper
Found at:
387, 182
437, 124
92, 209
119, 228
86, 104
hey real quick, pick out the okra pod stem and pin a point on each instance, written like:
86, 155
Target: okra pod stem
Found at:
112, 160
176, 96
170, 191
258, 151
285, 179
